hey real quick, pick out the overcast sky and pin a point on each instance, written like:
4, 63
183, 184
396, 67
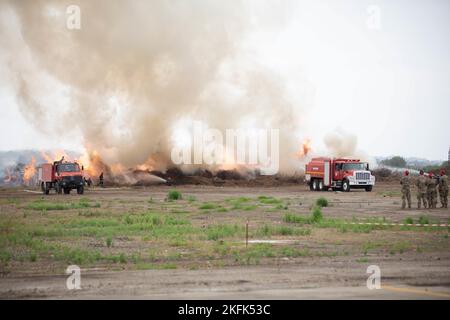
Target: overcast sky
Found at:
377, 69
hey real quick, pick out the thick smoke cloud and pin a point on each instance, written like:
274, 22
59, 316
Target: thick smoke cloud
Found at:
135, 68
341, 143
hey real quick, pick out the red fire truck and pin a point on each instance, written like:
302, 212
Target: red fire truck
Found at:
322, 174
62, 176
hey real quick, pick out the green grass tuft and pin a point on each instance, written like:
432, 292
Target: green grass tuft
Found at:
317, 215
208, 206
174, 195
46, 205
424, 220
109, 241
269, 200
191, 198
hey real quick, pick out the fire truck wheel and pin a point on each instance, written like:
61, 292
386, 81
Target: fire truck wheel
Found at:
80, 190
315, 185
345, 186
44, 188
321, 187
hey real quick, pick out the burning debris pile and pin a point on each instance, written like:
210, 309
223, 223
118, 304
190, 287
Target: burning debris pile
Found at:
20, 174
13, 175
25, 174
233, 177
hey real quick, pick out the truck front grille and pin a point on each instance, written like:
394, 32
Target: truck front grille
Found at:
74, 179
362, 176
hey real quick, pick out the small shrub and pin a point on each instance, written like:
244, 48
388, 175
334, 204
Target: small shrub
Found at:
322, 202
423, 220
409, 220
174, 195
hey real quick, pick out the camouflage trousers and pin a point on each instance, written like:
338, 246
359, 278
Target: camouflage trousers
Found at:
443, 195
421, 198
432, 199
406, 196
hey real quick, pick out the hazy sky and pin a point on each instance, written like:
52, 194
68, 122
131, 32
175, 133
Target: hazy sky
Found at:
376, 69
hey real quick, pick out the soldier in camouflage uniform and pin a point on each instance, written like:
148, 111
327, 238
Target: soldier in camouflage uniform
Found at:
431, 191
443, 189
406, 191
421, 184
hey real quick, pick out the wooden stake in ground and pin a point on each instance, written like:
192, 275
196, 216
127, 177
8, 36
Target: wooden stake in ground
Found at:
246, 234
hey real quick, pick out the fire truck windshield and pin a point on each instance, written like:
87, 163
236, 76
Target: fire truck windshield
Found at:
354, 166
68, 167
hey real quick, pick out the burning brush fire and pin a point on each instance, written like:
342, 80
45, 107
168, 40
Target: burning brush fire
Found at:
119, 175
29, 171
115, 174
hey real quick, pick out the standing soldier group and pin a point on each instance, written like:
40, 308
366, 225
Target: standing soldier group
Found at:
426, 190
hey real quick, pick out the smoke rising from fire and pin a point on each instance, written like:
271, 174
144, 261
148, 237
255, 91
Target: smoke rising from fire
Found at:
341, 143
137, 69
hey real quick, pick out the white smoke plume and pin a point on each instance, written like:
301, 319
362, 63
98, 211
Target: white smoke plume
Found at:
342, 144
134, 69
137, 70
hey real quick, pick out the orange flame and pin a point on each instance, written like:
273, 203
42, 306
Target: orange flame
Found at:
30, 170
92, 163
305, 148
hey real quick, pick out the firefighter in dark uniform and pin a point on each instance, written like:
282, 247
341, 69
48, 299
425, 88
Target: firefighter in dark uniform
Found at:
100, 180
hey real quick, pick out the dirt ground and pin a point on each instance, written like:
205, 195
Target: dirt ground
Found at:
135, 243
